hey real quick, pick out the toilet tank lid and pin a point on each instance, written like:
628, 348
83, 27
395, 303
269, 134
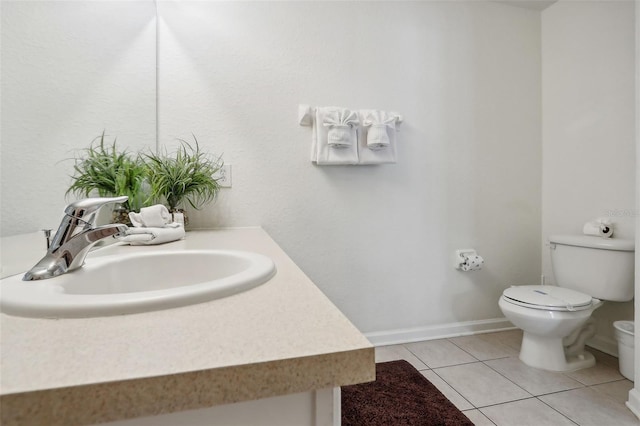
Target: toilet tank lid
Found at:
590, 241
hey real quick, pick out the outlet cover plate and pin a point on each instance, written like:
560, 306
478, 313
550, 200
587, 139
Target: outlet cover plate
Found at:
224, 176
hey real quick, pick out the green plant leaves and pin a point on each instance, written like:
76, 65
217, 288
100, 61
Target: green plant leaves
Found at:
186, 175
110, 173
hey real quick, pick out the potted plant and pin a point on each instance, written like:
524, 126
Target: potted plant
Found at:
187, 175
105, 171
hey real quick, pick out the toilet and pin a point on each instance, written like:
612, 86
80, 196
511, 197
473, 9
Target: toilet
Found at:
555, 319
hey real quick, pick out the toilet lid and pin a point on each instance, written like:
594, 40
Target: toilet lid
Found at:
547, 297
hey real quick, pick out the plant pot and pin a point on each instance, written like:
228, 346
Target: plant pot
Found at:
180, 216
121, 215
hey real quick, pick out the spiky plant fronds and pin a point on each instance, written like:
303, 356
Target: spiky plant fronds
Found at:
188, 174
110, 173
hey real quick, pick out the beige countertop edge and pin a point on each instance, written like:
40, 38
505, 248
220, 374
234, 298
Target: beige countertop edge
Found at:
88, 404
79, 372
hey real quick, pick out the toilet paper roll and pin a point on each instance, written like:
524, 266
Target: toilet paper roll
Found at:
472, 263
599, 229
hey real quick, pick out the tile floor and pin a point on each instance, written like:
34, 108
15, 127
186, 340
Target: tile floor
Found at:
484, 378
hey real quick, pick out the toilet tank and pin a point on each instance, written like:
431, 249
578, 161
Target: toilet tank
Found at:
599, 267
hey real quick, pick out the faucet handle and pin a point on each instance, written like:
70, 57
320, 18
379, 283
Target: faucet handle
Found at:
85, 209
47, 236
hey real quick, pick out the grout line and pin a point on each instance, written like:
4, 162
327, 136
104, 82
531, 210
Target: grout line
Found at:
417, 357
594, 384
558, 411
444, 366
420, 359
474, 356
422, 362
514, 383
462, 349
506, 402
483, 415
580, 384
560, 391
456, 391
455, 365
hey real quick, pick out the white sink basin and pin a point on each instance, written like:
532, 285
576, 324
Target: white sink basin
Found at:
137, 282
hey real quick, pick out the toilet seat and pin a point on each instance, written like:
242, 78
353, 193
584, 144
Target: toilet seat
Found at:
547, 297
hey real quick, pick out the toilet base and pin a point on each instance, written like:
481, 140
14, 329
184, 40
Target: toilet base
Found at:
548, 353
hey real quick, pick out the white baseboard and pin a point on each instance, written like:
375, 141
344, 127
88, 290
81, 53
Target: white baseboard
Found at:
604, 344
416, 334
634, 402
442, 331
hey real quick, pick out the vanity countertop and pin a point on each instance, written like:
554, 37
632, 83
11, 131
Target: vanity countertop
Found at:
279, 338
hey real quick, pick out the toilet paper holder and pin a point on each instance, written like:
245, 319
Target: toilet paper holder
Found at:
467, 260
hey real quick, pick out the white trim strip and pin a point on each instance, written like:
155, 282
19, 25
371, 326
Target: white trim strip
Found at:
604, 344
416, 334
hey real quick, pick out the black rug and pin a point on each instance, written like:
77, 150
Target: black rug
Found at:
399, 396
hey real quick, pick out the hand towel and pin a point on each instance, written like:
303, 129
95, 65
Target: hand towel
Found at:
151, 236
601, 227
377, 136
155, 216
343, 148
340, 122
376, 123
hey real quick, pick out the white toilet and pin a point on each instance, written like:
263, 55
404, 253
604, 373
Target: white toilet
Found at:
555, 319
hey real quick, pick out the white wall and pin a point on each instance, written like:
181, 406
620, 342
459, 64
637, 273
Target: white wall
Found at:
588, 129
70, 69
377, 240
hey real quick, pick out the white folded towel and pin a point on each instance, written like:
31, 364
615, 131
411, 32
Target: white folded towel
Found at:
151, 236
155, 216
377, 136
341, 147
601, 227
340, 122
378, 124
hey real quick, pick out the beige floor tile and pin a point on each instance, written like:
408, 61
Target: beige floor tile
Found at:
600, 373
510, 338
453, 396
587, 407
396, 352
618, 390
502, 385
526, 412
439, 353
478, 418
483, 349
533, 380
480, 385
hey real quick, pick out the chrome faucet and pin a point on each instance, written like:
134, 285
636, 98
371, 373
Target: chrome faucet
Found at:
75, 237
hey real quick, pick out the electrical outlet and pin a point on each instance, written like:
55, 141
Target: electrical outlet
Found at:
224, 176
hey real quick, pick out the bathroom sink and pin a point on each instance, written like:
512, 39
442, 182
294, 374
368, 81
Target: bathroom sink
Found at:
136, 282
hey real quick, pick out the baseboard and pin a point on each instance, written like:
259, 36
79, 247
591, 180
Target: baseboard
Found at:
634, 401
604, 344
466, 328
416, 334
